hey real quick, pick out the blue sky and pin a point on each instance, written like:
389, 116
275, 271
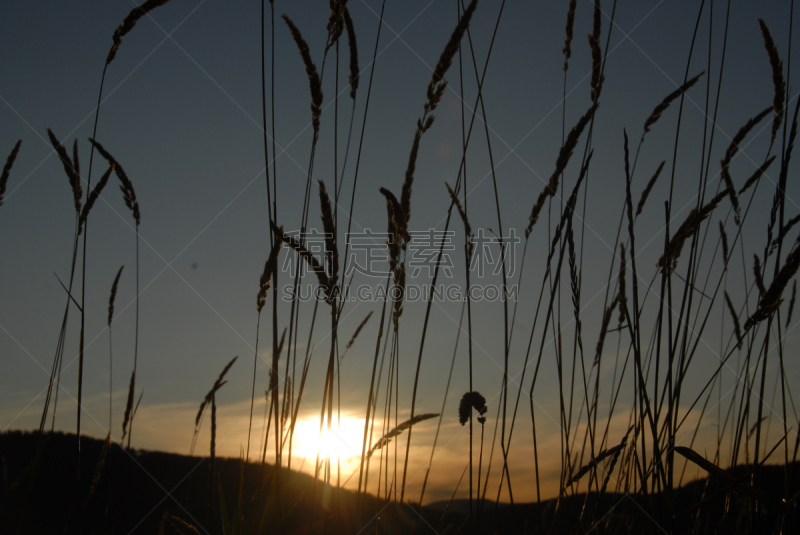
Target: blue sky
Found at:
181, 112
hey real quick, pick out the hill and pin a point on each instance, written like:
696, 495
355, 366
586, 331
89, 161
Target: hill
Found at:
134, 491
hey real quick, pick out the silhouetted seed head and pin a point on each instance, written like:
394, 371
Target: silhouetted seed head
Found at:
757, 175
597, 64
385, 439
736, 328
469, 401
395, 238
227, 367
724, 236
335, 22
791, 303
771, 299
130, 21
7, 169
76, 164
597, 20
537, 208
564, 156
574, 282
621, 296
126, 186
129, 404
69, 169
597, 56
664, 104
647, 188
331, 247
565, 153
777, 78
394, 210
424, 127
569, 211
604, 329
113, 296
435, 91
311, 71
567, 50
614, 459
782, 234
437, 84
317, 268
733, 148
269, 268
405, 194
210, 396
689, 226
594, 462
358, 330
400, 284
757, 273
351, 41
611, 452
573, 198
93, 198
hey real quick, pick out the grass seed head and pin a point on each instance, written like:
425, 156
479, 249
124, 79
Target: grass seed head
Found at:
469, 401
69, 169
130, 21
779, 94
313, 77
93, 196
7, 169
113, 296
655, 115
353, 45
567, 50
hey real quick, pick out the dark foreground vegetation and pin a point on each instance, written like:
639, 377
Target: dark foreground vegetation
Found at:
134, 491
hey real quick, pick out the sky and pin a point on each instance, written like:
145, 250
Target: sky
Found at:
181, 111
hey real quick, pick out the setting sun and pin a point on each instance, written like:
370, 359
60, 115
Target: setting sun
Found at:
342, 442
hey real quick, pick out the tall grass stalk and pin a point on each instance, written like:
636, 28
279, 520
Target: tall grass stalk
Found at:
442, 413
435, 91
111, 346
129, 196
72, 170
270, 268
123, 29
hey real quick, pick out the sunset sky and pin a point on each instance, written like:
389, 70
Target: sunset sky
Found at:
181, 112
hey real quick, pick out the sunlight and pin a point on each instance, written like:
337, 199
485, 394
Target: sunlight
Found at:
342, 443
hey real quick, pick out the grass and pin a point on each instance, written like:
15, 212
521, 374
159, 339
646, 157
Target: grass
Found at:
629, 411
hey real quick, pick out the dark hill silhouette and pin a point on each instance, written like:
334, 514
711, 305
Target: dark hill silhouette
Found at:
153, 492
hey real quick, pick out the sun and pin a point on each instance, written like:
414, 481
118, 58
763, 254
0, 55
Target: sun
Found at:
342, 443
